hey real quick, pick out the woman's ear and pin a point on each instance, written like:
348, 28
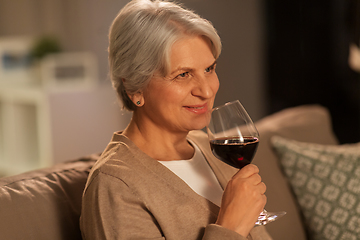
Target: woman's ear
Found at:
137, 99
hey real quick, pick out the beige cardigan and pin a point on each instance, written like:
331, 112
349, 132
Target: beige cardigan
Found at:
129, 195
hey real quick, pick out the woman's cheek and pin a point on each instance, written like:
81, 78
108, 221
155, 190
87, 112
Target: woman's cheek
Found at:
216, 85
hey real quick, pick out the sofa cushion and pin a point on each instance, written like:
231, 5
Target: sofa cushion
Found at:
45, 203
310, 123
326, 182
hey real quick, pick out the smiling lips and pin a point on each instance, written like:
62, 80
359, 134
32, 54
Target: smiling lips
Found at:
198, 109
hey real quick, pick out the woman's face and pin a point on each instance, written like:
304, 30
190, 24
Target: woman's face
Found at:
181, 100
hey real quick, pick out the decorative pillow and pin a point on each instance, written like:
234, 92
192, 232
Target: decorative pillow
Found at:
326, 182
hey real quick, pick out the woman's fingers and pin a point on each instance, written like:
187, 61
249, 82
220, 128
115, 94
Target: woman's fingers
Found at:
247, 171
259, 185
251, 174
243, 200
262, 188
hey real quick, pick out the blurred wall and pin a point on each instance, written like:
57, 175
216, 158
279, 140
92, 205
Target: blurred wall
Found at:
241, 64
83, 25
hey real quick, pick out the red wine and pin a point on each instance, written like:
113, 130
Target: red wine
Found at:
233, 151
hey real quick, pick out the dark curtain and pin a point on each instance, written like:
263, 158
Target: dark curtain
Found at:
307, 59
354, 21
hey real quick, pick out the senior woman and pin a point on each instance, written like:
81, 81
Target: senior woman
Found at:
157, 179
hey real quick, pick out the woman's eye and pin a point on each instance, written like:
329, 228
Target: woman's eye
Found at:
209, 69
182, 75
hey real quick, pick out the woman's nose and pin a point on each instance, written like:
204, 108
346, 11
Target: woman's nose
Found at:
203, 88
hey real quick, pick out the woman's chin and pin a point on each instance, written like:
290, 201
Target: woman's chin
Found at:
199, 125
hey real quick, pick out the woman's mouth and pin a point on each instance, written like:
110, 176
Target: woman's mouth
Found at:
198, 109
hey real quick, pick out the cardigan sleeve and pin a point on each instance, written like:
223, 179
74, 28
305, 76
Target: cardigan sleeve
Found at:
112, 211
213, 232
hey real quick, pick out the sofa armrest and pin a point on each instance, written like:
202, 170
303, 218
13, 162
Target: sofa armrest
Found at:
44, 203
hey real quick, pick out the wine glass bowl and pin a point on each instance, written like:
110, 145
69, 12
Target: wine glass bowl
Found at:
232, 135
234, 140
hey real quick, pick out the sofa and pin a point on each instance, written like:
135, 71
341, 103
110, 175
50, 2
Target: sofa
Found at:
46, 203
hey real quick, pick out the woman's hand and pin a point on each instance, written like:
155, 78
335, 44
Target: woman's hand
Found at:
242, 201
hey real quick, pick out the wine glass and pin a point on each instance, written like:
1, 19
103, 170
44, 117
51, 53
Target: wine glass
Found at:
234, 139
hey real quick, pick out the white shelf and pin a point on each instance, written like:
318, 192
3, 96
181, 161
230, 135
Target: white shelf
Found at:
25, 129
40, 126
31, 95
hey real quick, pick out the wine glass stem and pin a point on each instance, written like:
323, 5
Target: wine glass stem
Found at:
265, 217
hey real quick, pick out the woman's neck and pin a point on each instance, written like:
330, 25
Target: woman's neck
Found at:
159, 143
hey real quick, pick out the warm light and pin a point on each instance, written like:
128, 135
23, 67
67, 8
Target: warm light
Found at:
354, 57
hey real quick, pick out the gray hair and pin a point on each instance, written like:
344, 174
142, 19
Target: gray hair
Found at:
140, 41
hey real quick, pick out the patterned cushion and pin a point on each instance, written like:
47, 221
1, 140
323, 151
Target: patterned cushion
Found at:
326, 182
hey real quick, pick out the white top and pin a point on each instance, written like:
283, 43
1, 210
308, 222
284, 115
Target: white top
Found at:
197, 173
